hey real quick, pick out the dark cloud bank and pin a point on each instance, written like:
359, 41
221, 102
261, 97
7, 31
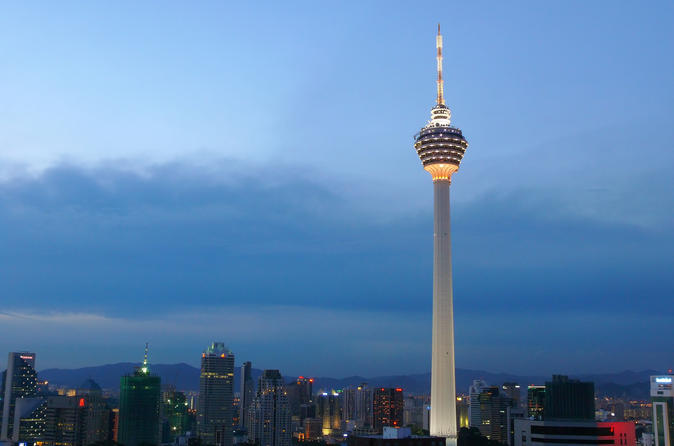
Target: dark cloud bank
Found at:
112, 241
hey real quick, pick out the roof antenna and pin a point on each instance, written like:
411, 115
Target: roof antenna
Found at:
441, 84
145, 368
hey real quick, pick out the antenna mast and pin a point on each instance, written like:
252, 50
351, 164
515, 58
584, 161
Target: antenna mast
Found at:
441, 84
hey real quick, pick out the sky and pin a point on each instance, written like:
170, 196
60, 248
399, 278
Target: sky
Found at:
180, 173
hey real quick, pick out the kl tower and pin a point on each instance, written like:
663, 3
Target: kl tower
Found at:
440, 148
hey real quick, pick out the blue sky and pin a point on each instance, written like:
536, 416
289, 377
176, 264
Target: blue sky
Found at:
180, 173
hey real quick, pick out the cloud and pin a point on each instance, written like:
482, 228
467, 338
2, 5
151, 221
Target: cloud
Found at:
131, 252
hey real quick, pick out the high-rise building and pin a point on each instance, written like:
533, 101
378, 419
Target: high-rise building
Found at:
474, 391
568, 399
29, 420
662, 395
175, 420
269, 413
512, 391
535, 402
329, 409
300, 392
441, 148
387, 408
97, 413
139, 407
247, 393
65, 421
357, 405
313, 429
20, 381
493, 413
214, 417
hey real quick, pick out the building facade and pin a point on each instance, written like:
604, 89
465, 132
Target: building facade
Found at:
247, 393
662, 395
20, 381
568, 399
139, 408
569, 432
269, 413
535, 402
329, 410
387, 408
216, 381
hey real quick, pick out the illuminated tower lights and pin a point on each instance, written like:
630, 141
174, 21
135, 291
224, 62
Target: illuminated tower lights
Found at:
440, 148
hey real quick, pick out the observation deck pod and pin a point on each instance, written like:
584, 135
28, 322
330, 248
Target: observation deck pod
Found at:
440, 144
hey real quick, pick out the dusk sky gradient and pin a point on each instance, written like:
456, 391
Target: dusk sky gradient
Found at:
188, 172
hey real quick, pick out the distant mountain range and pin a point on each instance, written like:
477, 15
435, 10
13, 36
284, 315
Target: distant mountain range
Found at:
186, 377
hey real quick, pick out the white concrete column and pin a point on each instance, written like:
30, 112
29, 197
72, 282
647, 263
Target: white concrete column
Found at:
443, 387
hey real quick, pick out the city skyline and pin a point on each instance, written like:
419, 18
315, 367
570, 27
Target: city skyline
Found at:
134, 171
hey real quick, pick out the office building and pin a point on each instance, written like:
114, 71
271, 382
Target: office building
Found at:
568, 399
462, 411
247, 393
493, 414
395, 436
65, 421
216, 381
269, 413
512, 391
662, 395
329, 409
570, 432
474, 391
175, 419
300, 392
387, 408
139, 407
357, 405
535, 402
313, 429
97, 413
29, 420
440, 148
20, 381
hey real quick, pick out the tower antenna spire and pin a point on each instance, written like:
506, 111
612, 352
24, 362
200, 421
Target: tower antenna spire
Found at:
145, 368
441, 83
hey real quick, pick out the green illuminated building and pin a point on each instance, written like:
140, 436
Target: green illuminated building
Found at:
139, 405
175, 416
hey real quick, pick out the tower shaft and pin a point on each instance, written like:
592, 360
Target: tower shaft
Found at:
443, 385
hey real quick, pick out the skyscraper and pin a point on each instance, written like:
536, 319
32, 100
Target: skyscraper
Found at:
568, 399
216, 382
493, 413
139, 407
20, 381
441, 148
97, 412
388, 406
357, 405
329, 409
269, 414
474, 391
300, 392
247, 393
662, 395
535, 402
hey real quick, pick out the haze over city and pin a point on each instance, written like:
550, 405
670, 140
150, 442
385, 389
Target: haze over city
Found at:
180, 174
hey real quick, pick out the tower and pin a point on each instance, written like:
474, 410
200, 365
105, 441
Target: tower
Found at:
441, 148
214, 418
